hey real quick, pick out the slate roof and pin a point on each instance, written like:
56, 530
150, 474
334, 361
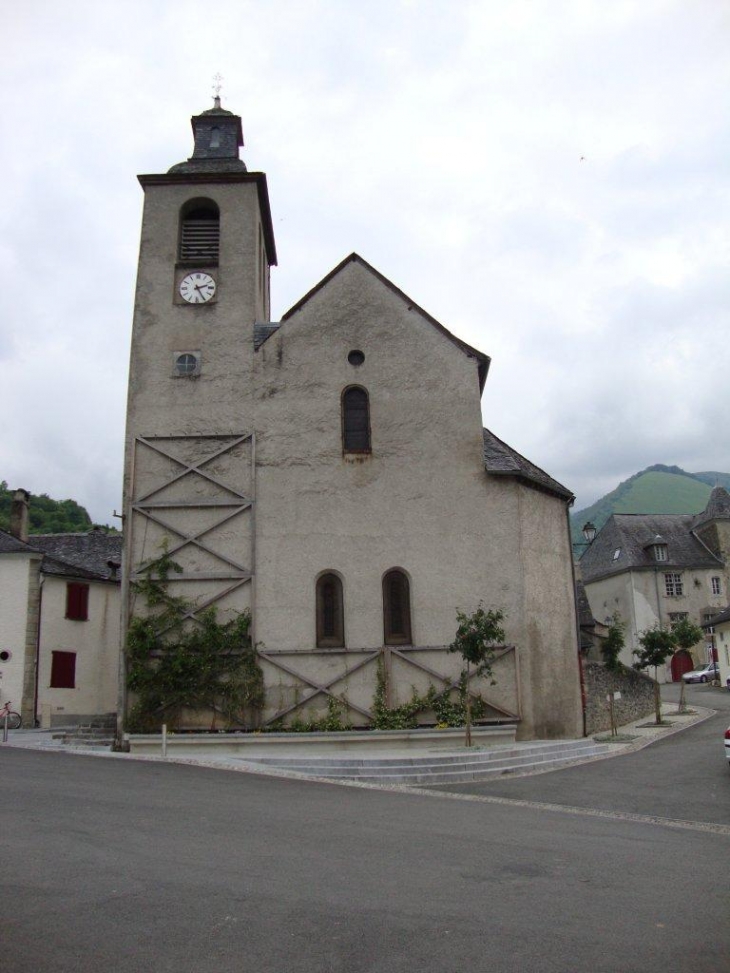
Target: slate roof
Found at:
718, 507
632, 535
724, 616
71, 554
11, 545
501, 460
84, 555
263, 331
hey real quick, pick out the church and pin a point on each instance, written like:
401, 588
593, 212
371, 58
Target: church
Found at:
329, 472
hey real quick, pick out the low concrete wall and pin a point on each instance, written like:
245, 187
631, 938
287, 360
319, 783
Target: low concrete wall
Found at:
259, 744
637, 696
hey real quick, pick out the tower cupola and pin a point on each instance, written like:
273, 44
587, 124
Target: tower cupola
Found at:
218, 137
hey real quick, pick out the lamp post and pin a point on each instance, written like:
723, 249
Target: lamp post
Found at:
589, 531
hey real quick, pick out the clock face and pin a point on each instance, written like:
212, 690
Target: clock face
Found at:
197, 288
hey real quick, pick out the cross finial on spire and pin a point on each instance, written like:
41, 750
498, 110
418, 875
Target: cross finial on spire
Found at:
217, 85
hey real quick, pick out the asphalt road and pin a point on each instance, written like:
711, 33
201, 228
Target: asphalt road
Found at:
111, 864
684, 776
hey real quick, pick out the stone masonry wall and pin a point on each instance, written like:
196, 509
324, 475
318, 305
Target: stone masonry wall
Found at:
637, 696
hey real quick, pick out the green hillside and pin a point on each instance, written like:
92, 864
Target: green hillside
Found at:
46, 516
656, 490
663, 493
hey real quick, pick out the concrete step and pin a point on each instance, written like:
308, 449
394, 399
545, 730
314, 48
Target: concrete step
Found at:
437, 768
538, 750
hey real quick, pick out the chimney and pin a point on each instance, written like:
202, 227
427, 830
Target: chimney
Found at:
19, 515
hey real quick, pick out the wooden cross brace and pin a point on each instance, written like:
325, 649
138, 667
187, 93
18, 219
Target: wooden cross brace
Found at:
450, 683
318, 688
187, 468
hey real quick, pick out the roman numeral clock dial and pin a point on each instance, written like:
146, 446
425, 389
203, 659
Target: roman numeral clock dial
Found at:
197, 288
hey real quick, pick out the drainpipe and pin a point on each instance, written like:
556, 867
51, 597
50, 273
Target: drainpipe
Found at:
658, 601
41, 579
576, 617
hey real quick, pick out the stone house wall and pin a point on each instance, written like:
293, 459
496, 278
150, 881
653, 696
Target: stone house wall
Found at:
637, 696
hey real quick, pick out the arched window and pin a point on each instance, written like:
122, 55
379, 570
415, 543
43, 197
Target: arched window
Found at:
355, 420
200, 231
396, 609
330, 614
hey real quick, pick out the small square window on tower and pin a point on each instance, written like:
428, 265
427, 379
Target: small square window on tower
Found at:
186, 364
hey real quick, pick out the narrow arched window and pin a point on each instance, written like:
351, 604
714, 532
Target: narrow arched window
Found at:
200, 232
355, 420
396, 609
330, 614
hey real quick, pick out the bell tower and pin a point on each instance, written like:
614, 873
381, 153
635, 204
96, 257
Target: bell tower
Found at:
207, 246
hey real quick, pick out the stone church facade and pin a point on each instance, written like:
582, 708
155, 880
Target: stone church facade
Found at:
329, 471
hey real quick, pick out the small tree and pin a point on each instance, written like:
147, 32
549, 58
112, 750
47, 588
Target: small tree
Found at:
656, 647
685, 634
477, 637
614, 643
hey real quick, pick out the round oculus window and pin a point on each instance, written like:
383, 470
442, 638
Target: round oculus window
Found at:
356, 358
186, 364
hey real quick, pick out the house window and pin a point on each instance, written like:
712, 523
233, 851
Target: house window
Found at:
355, 420
660, 552
673, 585
330, 614
200, 232
617, 554
396, 609
678, 616
63, 670
77, 601
716, 588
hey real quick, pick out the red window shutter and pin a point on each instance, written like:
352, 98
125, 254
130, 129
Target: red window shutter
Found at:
63, 670
77, 601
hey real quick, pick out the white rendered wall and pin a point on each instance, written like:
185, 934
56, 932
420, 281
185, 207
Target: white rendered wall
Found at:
14, 577
96, 644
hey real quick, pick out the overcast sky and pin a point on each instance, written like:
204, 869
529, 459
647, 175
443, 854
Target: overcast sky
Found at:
550, 180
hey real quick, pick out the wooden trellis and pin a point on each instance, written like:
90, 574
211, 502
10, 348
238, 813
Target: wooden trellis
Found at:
313, 687
155, 507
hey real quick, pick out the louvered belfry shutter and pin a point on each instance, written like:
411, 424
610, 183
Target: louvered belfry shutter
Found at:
200, 236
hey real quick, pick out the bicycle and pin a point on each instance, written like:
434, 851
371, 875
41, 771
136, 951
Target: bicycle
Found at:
12, 717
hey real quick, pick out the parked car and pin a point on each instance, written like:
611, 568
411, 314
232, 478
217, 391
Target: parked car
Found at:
703, 674
727, 744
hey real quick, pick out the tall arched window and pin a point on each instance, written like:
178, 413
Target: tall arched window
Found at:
330, 614
355, 420
396, 608
200, 231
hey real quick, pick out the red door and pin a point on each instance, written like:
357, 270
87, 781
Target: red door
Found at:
681, 663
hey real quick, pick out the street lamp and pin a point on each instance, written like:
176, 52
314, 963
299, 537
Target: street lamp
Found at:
589, 532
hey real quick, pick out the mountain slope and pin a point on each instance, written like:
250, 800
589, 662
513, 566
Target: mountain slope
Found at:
658, 489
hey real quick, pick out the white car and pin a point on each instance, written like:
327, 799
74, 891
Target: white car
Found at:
703, 674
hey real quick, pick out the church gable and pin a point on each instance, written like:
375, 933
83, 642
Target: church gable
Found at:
328, 287
356, 338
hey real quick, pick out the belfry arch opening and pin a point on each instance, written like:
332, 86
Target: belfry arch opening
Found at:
199, 232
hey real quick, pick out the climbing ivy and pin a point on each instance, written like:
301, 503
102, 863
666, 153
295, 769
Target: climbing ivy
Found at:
208, 665
448, 711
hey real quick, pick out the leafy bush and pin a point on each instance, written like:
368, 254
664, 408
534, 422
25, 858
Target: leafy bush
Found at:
210, 666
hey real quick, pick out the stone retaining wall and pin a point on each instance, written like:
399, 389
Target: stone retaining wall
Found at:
637, 696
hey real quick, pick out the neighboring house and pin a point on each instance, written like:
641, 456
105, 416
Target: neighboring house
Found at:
59, 622
654, 569
718, 628
591, 631
329, 472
